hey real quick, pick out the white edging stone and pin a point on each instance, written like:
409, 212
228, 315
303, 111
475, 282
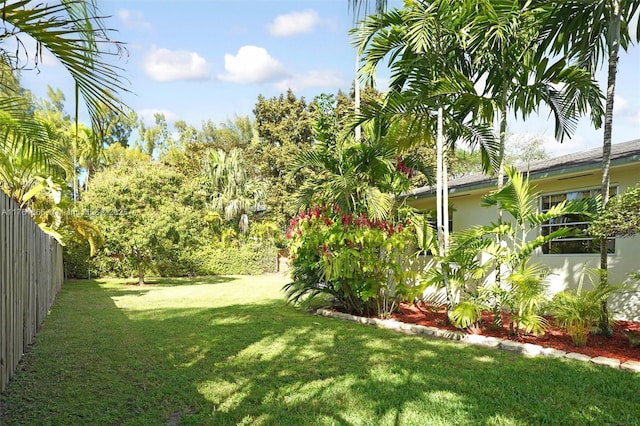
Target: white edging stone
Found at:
511, 346
631, 366
552, 353
609, 362
479, 340
526, 349
578, 357
532, 350
390, 324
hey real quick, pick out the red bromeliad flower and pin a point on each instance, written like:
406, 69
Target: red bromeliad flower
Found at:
403, 168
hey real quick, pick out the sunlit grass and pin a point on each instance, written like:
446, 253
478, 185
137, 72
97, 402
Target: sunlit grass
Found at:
218, 351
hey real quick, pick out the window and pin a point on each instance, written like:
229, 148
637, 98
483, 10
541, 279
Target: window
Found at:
577, 244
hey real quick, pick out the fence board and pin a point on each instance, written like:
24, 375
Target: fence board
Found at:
31, 275
3, 293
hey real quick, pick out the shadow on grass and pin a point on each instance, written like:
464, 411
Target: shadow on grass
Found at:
268, 363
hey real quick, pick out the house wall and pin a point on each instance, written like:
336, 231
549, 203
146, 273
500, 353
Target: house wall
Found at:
566, 270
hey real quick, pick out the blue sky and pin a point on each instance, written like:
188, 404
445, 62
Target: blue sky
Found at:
198, 60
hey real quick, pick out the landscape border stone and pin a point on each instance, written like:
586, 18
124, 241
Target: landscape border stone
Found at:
525, 349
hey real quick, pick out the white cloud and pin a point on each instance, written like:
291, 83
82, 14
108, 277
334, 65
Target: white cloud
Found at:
170, 65
133, 19
620, 104
294, 23
149, 120
252, 64
315, 78
635, 118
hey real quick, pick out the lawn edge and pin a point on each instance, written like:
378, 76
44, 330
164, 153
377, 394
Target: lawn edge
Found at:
524, 349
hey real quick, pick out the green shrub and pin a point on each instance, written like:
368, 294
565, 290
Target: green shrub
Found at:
250, 258
363, 264
76, 260
579, 312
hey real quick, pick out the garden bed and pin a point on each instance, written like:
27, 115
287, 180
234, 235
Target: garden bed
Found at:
616, 347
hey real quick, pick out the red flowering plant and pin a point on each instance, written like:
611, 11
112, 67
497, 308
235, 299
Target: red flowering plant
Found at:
366, 265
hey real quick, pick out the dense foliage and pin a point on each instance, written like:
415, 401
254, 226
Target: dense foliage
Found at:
157, 220
366, 265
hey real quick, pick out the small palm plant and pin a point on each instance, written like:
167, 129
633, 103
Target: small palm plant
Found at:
579, 312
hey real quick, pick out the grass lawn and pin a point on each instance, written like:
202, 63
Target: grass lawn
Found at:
227, 351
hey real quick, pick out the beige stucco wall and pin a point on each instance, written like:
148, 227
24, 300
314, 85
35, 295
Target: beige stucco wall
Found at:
565, 269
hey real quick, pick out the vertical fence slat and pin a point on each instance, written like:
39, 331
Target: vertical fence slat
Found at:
4, 318
11, 283
30, 277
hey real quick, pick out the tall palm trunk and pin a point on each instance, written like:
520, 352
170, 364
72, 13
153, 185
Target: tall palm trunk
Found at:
442, 200
356, 90
613, 41
497, 309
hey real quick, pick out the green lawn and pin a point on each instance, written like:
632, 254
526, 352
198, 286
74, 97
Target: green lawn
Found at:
226, 351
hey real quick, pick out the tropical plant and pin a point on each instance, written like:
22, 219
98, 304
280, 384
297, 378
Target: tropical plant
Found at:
507, 280
578, 312
232, 192
590, 32
30, 145
365, 176
73, 32
504, 41
366, 266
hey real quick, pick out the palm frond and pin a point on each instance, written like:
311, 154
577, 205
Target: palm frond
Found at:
74, 33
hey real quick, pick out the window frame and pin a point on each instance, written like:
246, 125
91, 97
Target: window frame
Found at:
613, 191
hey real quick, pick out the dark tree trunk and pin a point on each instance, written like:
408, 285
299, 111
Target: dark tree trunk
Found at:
141, 273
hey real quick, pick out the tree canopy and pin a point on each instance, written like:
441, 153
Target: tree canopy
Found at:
621, 216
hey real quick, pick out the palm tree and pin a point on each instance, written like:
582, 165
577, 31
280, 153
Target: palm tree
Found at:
504, 40
73, 32
362, 176
360, 8
233, 193
591, 31
432, 82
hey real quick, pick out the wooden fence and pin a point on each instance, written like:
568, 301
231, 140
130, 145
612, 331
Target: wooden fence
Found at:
30, 276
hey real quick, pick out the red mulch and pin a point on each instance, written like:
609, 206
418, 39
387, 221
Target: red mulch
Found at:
616, 347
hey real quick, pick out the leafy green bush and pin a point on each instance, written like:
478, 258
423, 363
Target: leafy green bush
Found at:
579, 312
250, 258
76, 260
365, 265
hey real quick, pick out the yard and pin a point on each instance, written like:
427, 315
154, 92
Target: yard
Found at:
229, 350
